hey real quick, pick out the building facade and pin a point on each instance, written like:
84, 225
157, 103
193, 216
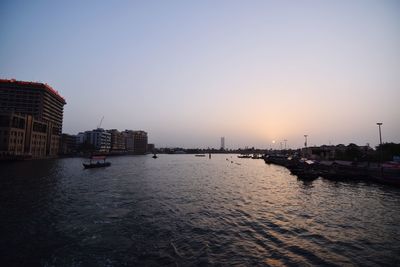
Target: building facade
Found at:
23, 136
12, 134
39, 108
100, 139
39, 140
117, 140
136, 141
68, 144
151, 148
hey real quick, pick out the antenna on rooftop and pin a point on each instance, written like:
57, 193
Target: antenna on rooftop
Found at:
101, 121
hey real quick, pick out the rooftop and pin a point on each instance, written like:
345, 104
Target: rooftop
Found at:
45, 86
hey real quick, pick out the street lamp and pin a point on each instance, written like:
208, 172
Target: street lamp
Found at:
380, 134
380, 139
305, 144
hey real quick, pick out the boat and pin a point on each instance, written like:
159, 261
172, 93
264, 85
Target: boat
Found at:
305, 169
154, 156
277, 159
95, 162
200, 155
388, 173
244, 156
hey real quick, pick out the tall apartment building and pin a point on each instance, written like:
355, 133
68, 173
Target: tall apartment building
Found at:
39, 110
135, 141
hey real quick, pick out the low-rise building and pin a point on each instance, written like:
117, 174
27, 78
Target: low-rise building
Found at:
320, 152
331, 152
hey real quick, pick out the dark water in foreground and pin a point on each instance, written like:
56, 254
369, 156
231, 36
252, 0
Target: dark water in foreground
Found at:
181, 210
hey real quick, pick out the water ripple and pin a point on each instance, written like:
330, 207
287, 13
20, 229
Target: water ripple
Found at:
180, 210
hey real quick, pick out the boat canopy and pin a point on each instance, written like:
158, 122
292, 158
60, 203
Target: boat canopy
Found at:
98, 158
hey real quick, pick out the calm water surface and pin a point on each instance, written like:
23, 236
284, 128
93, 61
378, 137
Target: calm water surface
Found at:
182, 210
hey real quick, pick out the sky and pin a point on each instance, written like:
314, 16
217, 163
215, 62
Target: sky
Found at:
190, 72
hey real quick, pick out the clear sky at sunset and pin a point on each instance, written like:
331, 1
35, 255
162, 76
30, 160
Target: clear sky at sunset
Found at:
189, 72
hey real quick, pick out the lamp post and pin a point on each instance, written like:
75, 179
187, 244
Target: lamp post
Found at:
305, 144
380, 140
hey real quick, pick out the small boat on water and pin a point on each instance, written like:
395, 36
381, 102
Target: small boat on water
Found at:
154, 156
200, 155
96, 162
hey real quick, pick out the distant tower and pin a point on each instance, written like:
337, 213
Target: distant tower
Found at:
222, 143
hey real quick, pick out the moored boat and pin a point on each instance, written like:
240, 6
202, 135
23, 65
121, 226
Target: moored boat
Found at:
388, 173
95, 162
244, 156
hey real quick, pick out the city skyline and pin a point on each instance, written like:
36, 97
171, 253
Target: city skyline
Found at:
189, 73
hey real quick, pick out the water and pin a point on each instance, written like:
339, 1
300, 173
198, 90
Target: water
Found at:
181, 210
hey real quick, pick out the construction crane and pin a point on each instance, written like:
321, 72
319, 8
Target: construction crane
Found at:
101, 121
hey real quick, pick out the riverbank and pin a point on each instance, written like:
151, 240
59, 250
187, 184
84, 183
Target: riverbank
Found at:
388, 173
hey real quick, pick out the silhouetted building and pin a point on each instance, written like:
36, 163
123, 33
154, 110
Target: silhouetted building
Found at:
150, 147
39, 108
80, 138
135, 141
222, 143
331, 152
68, 144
